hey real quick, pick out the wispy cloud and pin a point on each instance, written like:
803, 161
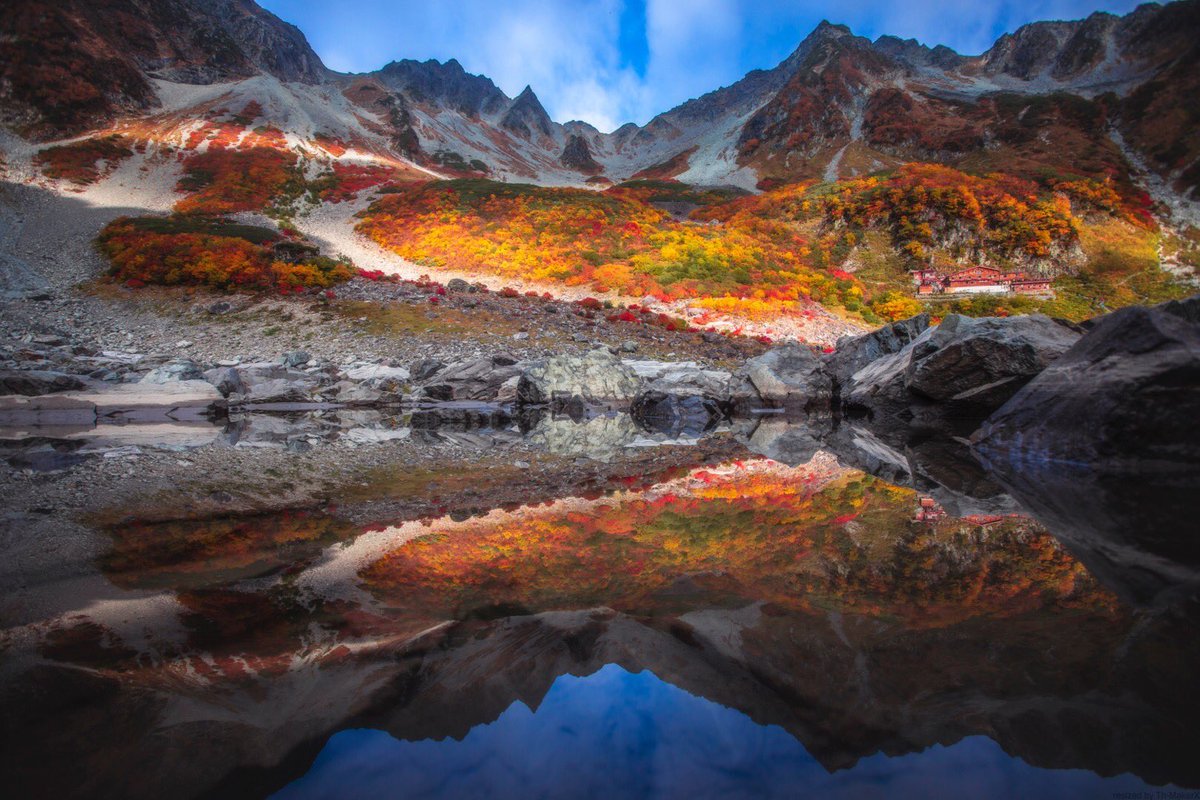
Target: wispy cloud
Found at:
576, 53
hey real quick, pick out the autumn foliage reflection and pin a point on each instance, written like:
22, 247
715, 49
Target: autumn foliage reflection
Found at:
810, 540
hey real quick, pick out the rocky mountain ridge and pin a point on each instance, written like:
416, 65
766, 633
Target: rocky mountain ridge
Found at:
1045, 97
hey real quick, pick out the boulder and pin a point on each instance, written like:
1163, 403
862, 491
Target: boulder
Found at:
272, 383
176, 371
790, 376
684, 378
296, 358
226, 379
961, 370
389, 383
985, 360
378, 375
425, 369
36, 382
597, 377
274, 390
357, 394
476, 379
855, 352
1128, 392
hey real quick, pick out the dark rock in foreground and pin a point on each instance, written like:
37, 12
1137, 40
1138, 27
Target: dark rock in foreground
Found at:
1128, 391
961, 370
31, 382
790, 376
855, 352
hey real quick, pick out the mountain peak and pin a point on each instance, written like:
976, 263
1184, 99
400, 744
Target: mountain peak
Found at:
527, 114
827, 30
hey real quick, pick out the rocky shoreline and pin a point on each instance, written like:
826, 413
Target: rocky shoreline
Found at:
908, 381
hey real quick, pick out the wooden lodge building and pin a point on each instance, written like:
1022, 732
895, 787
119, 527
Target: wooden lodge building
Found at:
978, 280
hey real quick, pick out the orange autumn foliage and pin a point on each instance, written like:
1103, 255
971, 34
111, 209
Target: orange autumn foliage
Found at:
80, 162
227, 181
612, 241
923, 205
180, 251
800, 539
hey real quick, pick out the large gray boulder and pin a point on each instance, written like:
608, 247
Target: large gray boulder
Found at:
597, 377
357, 394
474, 379
380, 376
175, 371
985, 359
226, 379
855, 352
1127, 393
963, 369
789, 376
274, 383
32, 382
681, 378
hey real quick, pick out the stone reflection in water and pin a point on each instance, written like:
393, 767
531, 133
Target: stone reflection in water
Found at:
847, 611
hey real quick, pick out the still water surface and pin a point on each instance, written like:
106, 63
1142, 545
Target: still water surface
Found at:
741, 629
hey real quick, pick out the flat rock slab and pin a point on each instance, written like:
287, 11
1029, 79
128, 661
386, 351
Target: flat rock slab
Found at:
123, 401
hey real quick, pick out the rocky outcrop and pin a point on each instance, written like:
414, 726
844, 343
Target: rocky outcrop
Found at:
855, 352
273, 384
596, 378
791, 376
1128, 391
31, 382
476, 379
226, 379
961, 370
683, 378
176, 371
577, 156
984, 361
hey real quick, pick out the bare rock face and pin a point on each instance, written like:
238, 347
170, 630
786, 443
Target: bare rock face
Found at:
1128, 391
31, 382
476, 379
854, 353
273, 383
791, 376
597, 377
226, 379
683, 378
963, 369
526, 117
967, 359
578, 156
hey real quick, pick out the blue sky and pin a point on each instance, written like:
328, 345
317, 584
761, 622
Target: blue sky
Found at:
614, 61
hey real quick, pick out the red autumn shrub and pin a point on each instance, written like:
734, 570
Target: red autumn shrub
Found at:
187, 251
79, 162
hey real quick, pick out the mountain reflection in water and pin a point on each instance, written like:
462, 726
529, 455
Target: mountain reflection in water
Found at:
744, 629
617, 734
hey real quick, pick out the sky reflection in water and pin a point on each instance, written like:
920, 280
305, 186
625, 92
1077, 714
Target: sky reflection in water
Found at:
618, 734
